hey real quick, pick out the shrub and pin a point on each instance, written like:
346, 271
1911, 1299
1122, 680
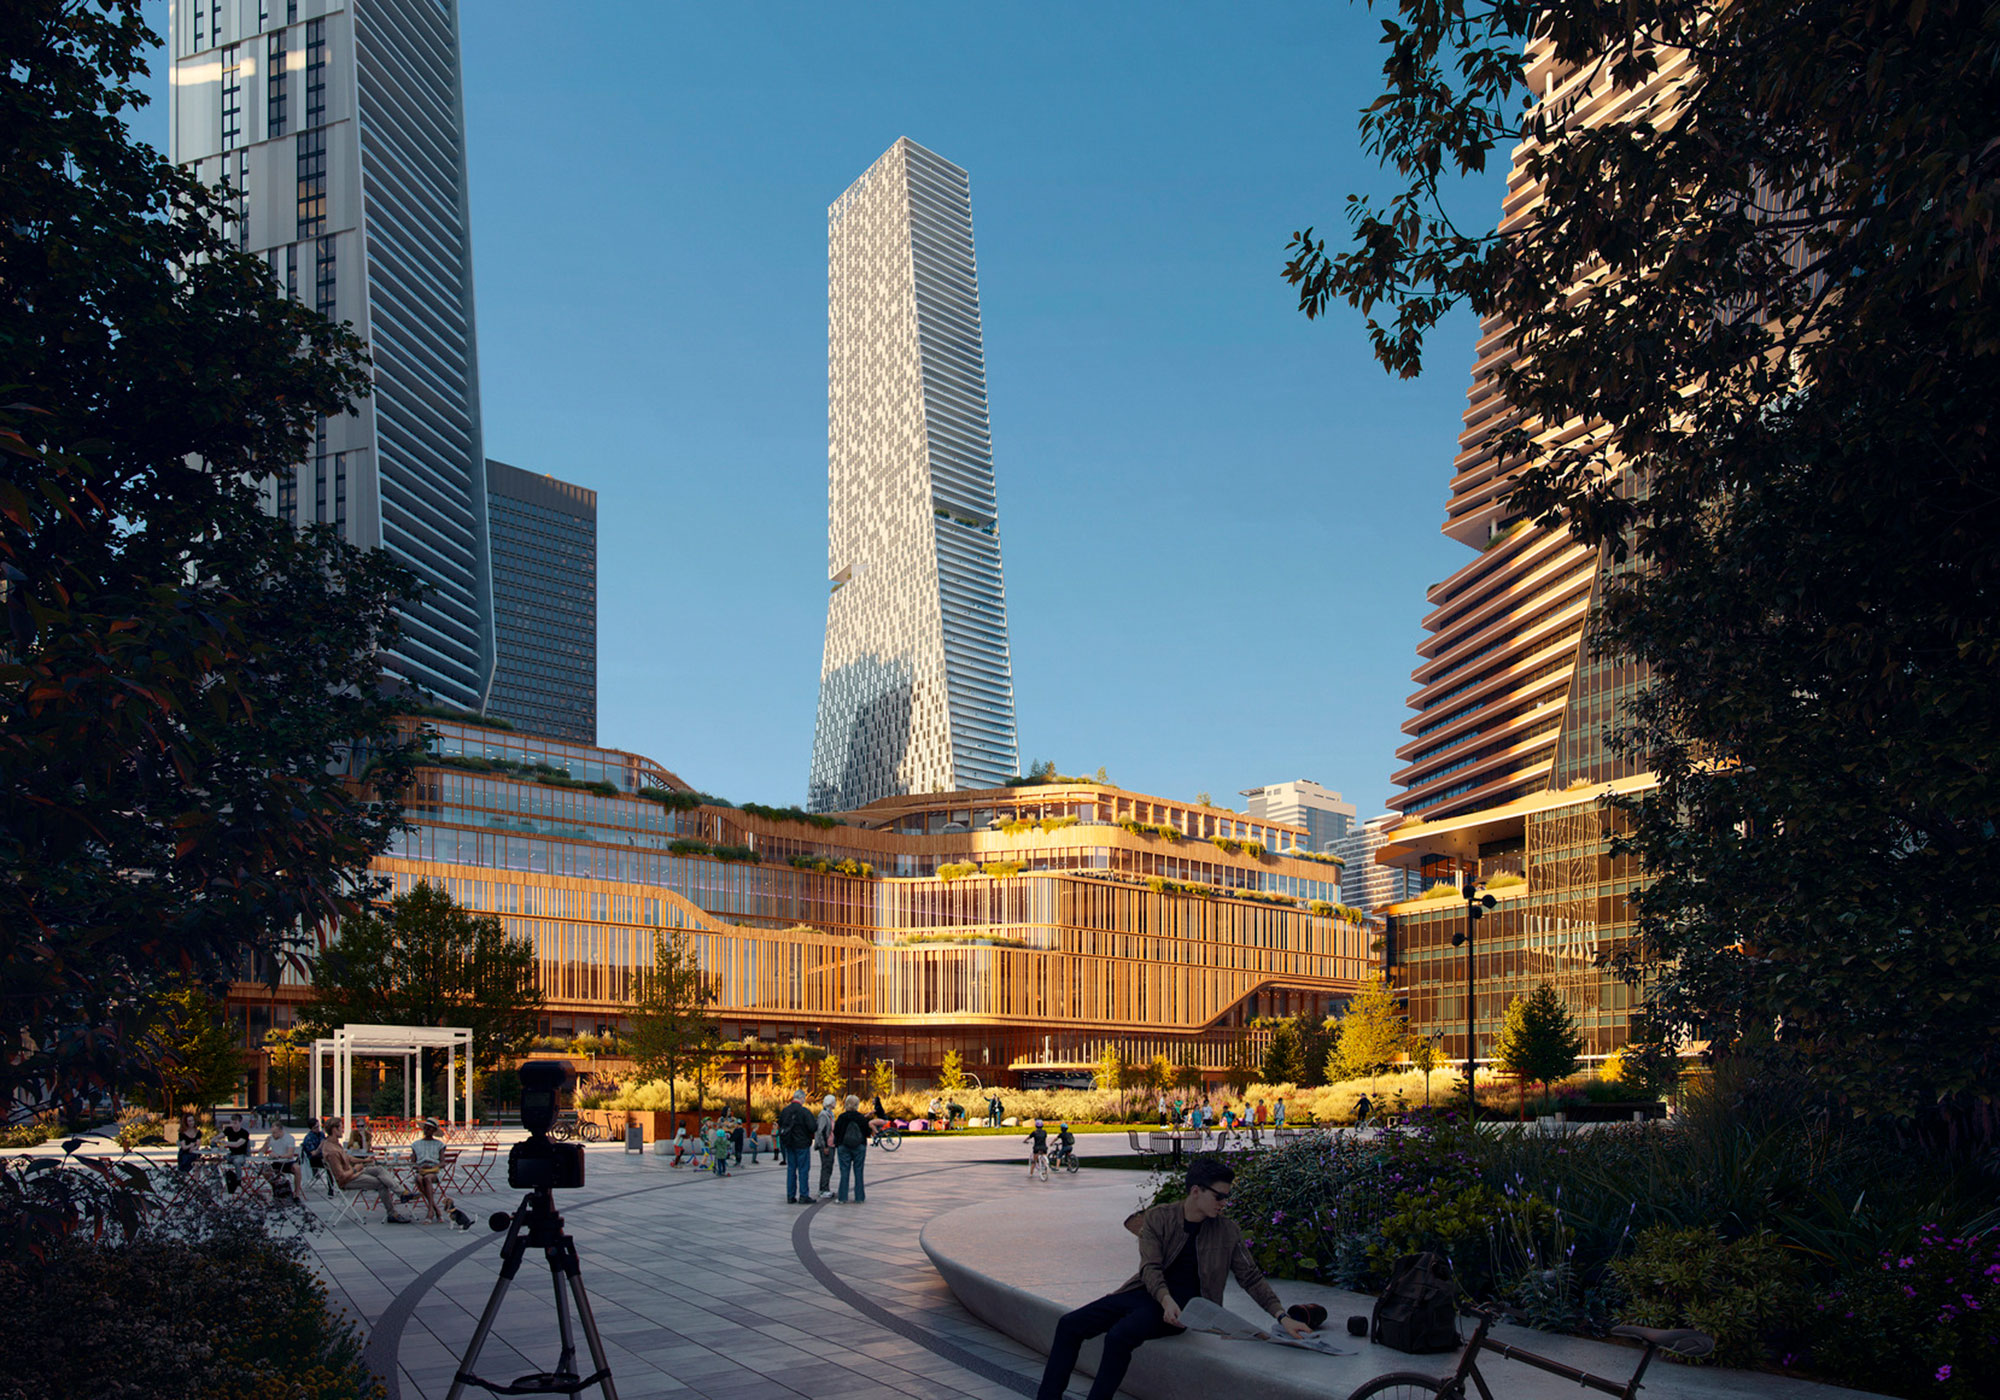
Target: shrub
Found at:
956, 870
1746, 1293
1227, 843
26, 1135
1506, 880
139, 1130
1254, 849
1000, 869
1918, 1323
789, 814
671, 800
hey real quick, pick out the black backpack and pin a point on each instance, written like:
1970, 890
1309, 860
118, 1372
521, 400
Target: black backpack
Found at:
853, 1135
1418, 1311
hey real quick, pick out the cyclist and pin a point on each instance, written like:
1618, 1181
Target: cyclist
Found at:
1038, 1145
1065, 1145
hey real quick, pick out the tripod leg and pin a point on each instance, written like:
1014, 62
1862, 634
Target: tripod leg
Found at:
597, 1358
511, 1250
559, 1253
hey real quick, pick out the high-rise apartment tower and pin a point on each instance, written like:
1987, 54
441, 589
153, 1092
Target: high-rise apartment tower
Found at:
916, 686
1302, 802
544, 603
339, 126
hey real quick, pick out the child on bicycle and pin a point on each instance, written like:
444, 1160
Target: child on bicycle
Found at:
1065, 1144
1038, 1146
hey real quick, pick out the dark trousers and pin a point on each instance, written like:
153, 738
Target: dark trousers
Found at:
855, 1158
797, 1187
1124, 1320
825, 1170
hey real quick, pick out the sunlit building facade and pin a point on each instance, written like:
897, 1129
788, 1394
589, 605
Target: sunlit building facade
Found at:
1509, 763
1023, 927
917, 683
339, 128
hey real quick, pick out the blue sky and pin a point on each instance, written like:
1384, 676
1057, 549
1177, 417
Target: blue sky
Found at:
1218, 519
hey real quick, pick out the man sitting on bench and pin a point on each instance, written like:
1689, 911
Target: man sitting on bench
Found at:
350, 1175
1186, 1248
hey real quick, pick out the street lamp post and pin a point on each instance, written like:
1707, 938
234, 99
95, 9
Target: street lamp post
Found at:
1476, 905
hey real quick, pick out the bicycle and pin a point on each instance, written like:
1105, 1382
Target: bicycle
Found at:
887, 1138
1062, 1160
1409, 1385
570, 1126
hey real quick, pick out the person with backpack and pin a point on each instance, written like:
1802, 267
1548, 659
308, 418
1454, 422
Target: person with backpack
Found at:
1187, 1248
1038, 1152
850, 1145
796, 1130
1361, 1107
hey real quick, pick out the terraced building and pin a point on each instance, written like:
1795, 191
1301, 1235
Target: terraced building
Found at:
1023, 927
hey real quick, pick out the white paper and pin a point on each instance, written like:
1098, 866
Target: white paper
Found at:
1204, 1316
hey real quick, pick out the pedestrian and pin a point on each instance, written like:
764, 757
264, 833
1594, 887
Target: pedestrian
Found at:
736, 1137
187, 1142
235, 1142
850, 1138
796, 1130
718, 1147
1279, 1117
1361, 1110
1229, 1116
823, 1140
1187, 1248
994, 1110
953, 1111
936, 1110
1038, 1152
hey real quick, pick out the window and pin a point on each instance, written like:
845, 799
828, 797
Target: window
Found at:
340, 492
232, 96
312, 182
292, 271
323, 282
200, 14
263, 15
243, 200
319, 471
274, 86
315, 72
288, 495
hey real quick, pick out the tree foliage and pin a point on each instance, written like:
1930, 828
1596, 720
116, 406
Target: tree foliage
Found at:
1765, 291
882, 1079
186, 1051
951, 1074
1539, 1040
429, 962
673, 1028
1373, 1033
185, 682
1284, 1058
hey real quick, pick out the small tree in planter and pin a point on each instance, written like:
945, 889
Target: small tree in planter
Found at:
1424, 1056
1538, 1041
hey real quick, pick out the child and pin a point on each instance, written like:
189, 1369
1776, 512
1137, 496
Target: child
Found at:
1065, 1143
680, 1145
1038, 1145
718, 1149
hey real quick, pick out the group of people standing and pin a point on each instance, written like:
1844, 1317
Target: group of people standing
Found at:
839, 1137
1203, 1115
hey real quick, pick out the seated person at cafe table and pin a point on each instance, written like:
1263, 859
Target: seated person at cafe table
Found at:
350, 1175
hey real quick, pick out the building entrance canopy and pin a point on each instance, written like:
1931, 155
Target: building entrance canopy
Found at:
406, 1043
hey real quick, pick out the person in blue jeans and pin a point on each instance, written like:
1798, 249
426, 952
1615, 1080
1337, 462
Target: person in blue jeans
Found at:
796, 1126
850, 1147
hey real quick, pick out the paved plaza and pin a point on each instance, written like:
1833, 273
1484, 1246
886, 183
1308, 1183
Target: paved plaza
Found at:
711, 1288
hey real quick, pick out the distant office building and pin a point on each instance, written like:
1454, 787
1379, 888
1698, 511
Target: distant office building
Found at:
1364, 884
916, 687
1322, 813
544, 603
339, 127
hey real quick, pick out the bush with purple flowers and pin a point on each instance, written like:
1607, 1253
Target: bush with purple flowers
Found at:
1925, 1321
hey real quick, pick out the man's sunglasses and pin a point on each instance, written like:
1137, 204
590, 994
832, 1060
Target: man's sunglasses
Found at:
1219, 1195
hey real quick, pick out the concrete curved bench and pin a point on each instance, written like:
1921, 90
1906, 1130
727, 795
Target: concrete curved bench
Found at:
1020, 1261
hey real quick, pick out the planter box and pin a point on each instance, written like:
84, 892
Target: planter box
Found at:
1613, 1112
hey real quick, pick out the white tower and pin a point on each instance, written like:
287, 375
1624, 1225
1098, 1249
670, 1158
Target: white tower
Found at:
916, 687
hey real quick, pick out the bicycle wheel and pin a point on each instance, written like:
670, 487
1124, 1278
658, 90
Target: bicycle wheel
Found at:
1406, 1385
888, 1139
592, 1131
1070, 1163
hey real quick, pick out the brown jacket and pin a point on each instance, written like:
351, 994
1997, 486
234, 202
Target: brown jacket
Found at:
1162, 1232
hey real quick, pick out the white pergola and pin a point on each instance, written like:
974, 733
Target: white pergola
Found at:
406, 1043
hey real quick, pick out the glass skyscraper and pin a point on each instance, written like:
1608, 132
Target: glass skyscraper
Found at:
339, 126
544, 603
916, 685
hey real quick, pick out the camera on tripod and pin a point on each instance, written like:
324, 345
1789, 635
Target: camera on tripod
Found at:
539, 1164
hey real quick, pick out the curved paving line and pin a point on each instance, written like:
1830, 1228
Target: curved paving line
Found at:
930, 1341
385, 1337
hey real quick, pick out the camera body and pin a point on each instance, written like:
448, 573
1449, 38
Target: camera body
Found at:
539, 1164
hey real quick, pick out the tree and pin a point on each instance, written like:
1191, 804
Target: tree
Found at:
673, 1030
951, 1074
1283, 1060
1242, 1064
1318, 1035
832, 1079
1160, 1071
791, 1072
882, 1079
186, 683
1188, 1077
1425, 1055
289, 1050
1373, 1032
1201, 799
429, 962
186, 1050
1766, 296
1539, 1040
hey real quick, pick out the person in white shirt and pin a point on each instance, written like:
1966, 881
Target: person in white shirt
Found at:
283, 1150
